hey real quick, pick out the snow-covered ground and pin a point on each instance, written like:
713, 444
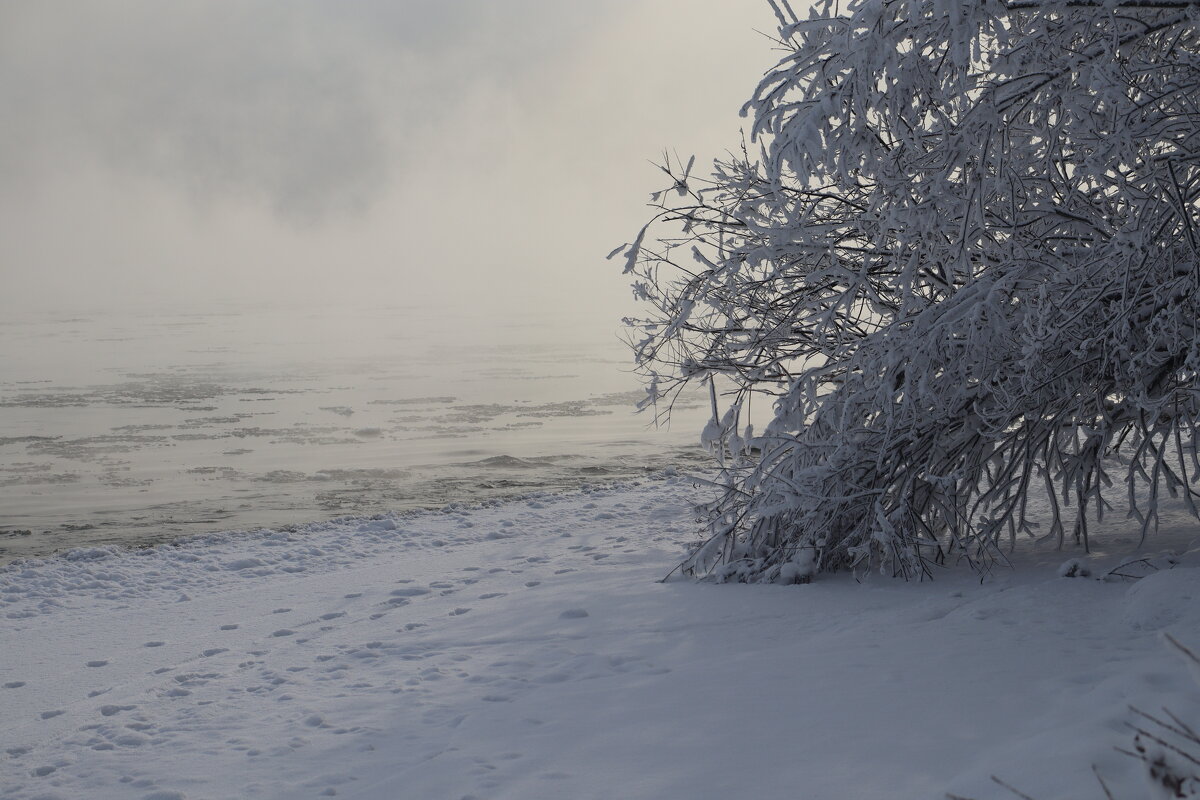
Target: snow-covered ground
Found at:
528, 650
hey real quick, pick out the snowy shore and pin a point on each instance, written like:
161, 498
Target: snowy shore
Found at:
527, 650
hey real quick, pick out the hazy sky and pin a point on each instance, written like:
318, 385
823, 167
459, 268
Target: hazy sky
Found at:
486, 152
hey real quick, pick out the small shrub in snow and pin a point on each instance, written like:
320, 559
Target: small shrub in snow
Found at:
1168, 746
960, 257
1074, 568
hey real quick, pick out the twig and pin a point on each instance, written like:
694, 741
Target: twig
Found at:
1012, 789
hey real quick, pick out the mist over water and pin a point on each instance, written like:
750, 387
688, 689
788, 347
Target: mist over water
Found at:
333, 258
138, 427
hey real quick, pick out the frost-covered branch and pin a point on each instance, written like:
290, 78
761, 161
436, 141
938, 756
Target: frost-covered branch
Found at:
959, 255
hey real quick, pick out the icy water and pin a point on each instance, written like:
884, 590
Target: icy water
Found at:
136, 428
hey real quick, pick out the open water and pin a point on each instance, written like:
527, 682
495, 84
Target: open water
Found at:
135, 428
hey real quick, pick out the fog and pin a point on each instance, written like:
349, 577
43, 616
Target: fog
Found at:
469, 155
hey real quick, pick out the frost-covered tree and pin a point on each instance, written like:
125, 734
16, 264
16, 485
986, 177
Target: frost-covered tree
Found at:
959, 258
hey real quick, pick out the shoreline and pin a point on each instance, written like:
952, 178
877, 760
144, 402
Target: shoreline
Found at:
22, 541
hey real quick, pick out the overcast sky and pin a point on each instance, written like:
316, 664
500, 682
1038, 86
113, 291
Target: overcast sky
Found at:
485, 152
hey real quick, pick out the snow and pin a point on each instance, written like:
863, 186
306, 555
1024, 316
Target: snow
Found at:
530, 650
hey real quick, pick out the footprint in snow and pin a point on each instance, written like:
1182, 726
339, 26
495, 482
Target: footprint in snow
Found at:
155, 643
97, 663
110, 710
573, 613
413, 591
231, 627
14, 684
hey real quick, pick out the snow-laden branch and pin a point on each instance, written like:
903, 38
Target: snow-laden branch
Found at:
960, 255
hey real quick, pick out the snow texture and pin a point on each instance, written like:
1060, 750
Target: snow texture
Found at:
529, 650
